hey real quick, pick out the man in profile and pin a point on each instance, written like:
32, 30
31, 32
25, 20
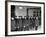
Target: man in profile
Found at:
36, 23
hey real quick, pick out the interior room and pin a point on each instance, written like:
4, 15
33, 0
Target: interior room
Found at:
25, 18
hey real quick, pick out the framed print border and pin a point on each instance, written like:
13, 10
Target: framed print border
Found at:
6, 18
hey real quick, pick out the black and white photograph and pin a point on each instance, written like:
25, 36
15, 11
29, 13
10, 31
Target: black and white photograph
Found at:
25, 18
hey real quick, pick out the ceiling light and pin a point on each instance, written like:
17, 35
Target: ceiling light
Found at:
20, 7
